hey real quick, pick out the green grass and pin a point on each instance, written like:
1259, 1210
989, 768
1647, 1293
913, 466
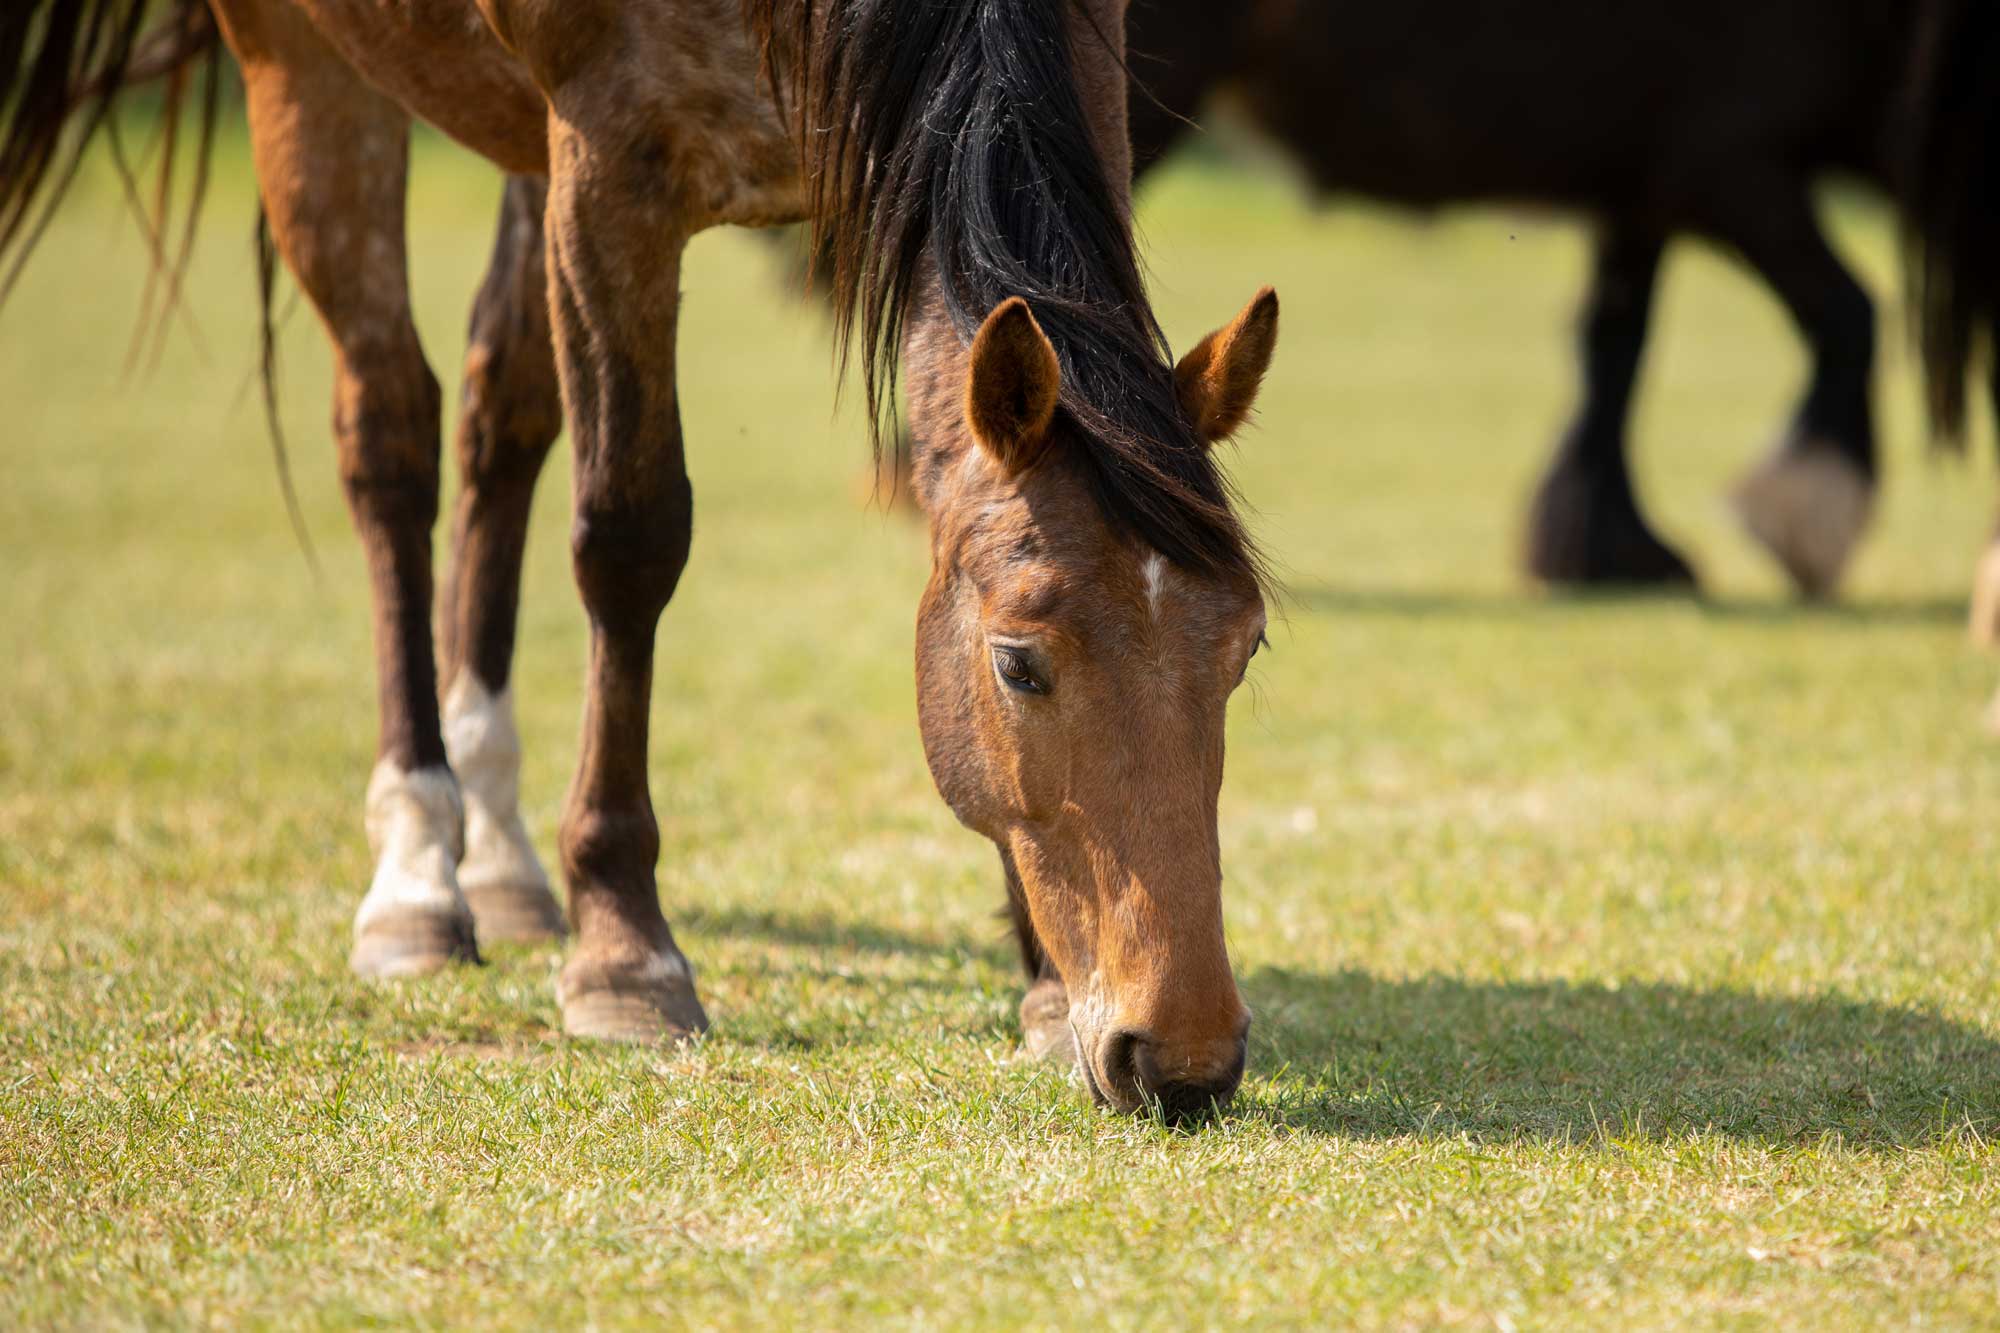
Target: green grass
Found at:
1615, 961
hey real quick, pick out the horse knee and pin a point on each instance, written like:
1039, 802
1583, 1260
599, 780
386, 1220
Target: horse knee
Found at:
629, 546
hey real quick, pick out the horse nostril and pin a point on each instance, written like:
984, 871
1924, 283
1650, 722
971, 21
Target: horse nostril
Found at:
1186, 1094
1121, 1067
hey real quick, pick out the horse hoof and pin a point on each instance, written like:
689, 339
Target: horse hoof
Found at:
395, 945
1582, 532
652, 1001
514, 913
1045, 1030
1985, 623
1808, 506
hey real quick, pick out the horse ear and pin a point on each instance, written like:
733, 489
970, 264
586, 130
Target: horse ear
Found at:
1012, 386
1217, 380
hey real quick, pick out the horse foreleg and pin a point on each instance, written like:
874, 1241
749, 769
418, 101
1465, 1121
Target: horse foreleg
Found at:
614, 267
1045, 1030
1585, 526
1810, 502
510, 413
331, 159
1985, 617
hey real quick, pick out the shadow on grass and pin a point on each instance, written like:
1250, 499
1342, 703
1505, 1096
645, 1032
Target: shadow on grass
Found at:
1552, 1061
823, 931
1527, 605
1354, 1055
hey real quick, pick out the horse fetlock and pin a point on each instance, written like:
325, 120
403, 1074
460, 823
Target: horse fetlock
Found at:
1809, 506
413, 919
500, 876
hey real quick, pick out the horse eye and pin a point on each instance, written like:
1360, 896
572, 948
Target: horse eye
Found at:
1255, 648
1014, 669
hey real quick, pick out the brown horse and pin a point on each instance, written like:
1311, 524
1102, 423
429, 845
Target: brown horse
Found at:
1710, 118
1093, 602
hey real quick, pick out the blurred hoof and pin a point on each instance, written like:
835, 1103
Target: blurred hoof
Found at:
1584, 532
1993, 716
1045, 1030
515, 913
413, 943
1808, 505
1985, 625
650, 1000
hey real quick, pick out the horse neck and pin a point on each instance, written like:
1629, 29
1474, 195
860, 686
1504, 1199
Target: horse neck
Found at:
1097, 61
934, 351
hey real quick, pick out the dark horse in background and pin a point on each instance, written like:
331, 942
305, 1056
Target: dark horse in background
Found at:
1710, 118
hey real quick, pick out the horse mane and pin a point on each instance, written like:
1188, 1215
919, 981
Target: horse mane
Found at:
949, 135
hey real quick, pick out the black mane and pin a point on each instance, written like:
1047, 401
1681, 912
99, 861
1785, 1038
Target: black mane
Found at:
950, 134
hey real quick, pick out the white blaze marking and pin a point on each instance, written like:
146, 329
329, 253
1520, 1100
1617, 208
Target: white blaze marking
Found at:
1154, 569
415, 825
485, 752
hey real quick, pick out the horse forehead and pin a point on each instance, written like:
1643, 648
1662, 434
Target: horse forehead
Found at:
1172, 598
1047, 556
1135, 584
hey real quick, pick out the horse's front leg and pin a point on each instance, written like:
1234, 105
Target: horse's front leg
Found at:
510, 413
614, 263
1045, 1030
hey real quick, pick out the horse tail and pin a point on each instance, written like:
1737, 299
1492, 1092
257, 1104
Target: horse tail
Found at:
1951, 198
63, 66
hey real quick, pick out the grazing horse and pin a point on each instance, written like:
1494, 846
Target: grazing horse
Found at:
1711, 118
1094, 600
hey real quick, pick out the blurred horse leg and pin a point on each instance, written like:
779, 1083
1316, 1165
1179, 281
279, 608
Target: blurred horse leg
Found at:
510, 413
332, 156
1811, 500
1985, 620
1045, 1030
1585, 525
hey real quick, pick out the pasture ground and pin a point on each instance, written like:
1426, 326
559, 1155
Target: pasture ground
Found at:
1615, 960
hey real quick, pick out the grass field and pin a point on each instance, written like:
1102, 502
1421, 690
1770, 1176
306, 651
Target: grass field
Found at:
1615, 961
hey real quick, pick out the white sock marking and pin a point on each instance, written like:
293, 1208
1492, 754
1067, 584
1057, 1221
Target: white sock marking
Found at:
485, 752
415, 826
